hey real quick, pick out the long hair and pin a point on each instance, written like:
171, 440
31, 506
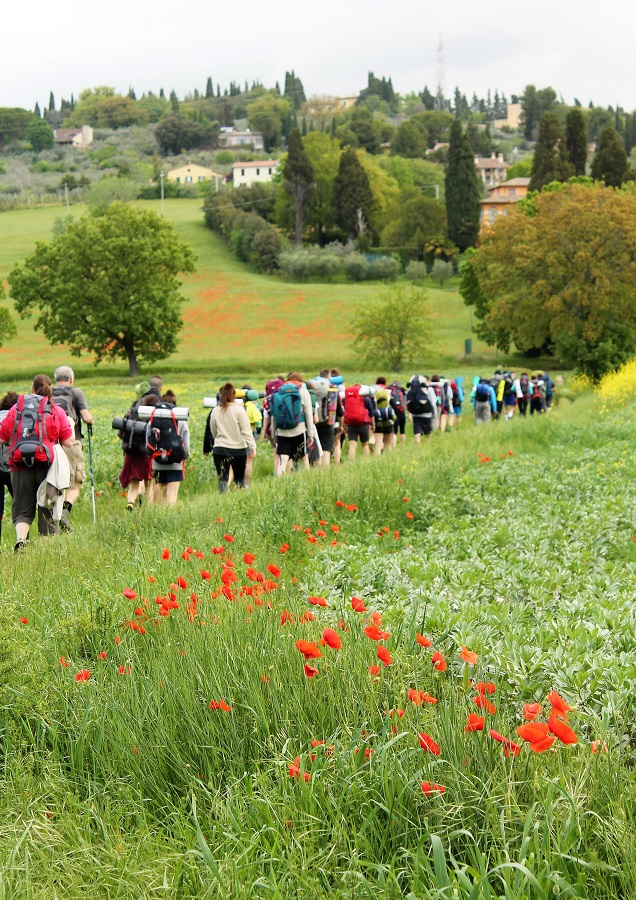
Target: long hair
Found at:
226, 395
42, 386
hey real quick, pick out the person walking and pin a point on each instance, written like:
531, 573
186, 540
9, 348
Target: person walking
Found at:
233, 439
136, 474
31, 428
421, 402
292, 423
9, 399
73, 402
168, 465
484, 402
384, 418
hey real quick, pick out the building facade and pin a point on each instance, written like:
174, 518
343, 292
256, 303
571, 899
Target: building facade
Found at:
240, 140
250, 172
501, 197
491, 169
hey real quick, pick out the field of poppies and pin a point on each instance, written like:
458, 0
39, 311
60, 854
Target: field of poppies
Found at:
411, 677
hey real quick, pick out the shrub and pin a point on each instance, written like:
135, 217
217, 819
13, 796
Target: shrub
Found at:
384, 268
416, 270
224, 158
442, 271
356, 267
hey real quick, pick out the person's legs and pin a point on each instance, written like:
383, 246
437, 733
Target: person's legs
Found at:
388, 441
172, 492
443, 420
247, 476
353, 446
239, 468
134, 491
25, 484
282, 467
337, 448
222, 466
378, 444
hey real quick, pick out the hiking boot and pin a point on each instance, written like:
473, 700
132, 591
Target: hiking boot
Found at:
20, 545
140, 500
65, 524
130, 507
224, 487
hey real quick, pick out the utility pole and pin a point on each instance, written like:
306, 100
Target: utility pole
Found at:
161, 177
66, 194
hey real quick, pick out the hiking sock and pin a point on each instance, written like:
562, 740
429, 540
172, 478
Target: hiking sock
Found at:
140, 500
130, 507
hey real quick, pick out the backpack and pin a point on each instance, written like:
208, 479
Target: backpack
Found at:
524, 385
131, 443
508, 384
537, 393
4, 448
164, 441
456, 401
332, 403
63, 397
482, 392
272, 386
321, 390
398, 400
549, 386
355, 412
418, 402
287, 406
29, 433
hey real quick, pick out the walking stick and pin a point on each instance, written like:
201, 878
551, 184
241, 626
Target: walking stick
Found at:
89, 428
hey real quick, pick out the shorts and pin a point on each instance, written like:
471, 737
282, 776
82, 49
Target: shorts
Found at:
168, 476
399, 423
548, 402
25, 483
422, 425
457, 410
358, 431
75, 456
510, 399
294, 447
326, 436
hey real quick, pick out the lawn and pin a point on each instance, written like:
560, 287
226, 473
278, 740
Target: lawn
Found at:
237, 321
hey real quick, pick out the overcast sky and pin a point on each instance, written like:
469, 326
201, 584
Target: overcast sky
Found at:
581, 49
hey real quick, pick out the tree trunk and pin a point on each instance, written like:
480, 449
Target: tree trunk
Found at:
132, 358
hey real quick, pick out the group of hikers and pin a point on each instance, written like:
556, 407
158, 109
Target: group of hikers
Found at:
306, 423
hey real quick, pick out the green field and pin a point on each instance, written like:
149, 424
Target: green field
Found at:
236, 320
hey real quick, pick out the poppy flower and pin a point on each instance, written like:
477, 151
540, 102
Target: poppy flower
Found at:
151, 579
427, 743
509, 746
533, 731
358, 605
283, 548
438, 661
557, 702
423, 641
561, 729
484, 703
468, 656
83, 675
185, 555
294, 770
396, 535
308, 649
129, 594
165, 554
531, 711
224, 706
124, 670
429, 788
396, 712
475, 722
65, 663
318, 601
332, 639
228, 538
376, 617
310, 671
248, 558
409, 515
598, 747
374, 670
25, 621
376, 634
351, 507
205, 575
335, 529
542, 745
483, 687
320, 533
183, 584
339, 503
117, 640
384, 656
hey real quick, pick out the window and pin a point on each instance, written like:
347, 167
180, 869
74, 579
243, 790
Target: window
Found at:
188, 179
512, 192
270, 171
201, 178
178, 180
242, 173
493, 213
258, 172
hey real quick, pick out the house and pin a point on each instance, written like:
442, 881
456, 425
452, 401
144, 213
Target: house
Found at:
74, 137
193, 174
491, 169
501, 196
229, 139
249, 172
513, 119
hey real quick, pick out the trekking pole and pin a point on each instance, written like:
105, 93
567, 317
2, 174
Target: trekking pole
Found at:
89, 429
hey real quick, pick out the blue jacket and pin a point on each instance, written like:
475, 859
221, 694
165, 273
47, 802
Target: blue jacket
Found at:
493, 398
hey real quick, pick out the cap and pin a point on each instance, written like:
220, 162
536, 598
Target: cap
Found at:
142, 388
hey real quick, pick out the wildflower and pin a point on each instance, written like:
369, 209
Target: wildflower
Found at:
316, 743
124, 670
165, 554
248, 558
509, 746
83, 675
332, 639
533, 731
265, 679
65, 663
406, 499
396, 712
396, 535
475, 722
561, 729
205, 574
410, 515
384, 656
228, 538
285, 616
318, 601
335, 529
468, 656
438, 661
129, 594
294, 770
339, 503
117, 640
284, 548
423, 641
151, 579
185, 555
358, 605
24, 620
224, 706
429, 744
376, 634
542, 745
310, 671
483, 687
218, 520
351, 507
598, 747
308, 649
321, 534
557, 702
531, 711
374, 670
484, 703
183, 584
429, 788
368, 752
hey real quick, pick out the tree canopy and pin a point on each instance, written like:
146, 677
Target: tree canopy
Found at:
272, 116
352, 196
39, 134
551, 160
107, 285
298, 179
576, 141
7, 325
463, 190
610, 161
101, 107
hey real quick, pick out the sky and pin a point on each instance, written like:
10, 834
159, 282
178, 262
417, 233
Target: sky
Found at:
581, 50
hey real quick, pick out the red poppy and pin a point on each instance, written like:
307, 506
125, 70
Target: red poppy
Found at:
332, 639
509, 746
24, 620
117, 640
310, 671
558, 702
151, 579
438, 661
429, 788
374, 670
483, 687
165, 554
83, 675
205, 575
228, 538
542, 745
320, 533
224, 706
396, 712
185, 555
358, 605
63, 662
598, 747
409, 515
475, 722
423, 641
285, 616
129, 594
318, 601
294, 770
248, 558
384, 656
351, 507
396, 535
468, 656
124, 670
376, 617
531, 711
406, 499
308, 649
376, 634
339, 503
429, 744
183, 584
533, 731
484, 703
561, 729
283, 548
335, 529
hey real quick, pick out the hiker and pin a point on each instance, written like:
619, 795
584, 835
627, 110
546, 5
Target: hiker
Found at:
156, 385
73, 402
168, 441
234, 440
271, 388
328, 415
358, 419
484, 401
457, 399
336, 379
9, 399
31, 428
292, 423
384, 418
509, 395
255, 416
550, 389
523, 393
136, 473
421, 402
398, 402
443, 399
497, 384
537, 395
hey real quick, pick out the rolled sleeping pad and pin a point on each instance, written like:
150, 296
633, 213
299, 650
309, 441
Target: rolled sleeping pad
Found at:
337, 380
181, 413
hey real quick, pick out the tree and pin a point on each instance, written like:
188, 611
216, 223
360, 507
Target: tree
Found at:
108, 285
560, 274
352, 198
7, 325
101, 107
36, 111
112, 189
410, 140
51, 102
323, 152
413, 220
463, 190
534, 105
428, 100
39, 134
294, 91
365, 128
551, 160
13, 123
576, 140
298, 179
176, 133
395, 330
610, 161
271, 115
442, 271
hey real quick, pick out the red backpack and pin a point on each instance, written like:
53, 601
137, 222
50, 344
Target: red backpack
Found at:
30, 442
355, 412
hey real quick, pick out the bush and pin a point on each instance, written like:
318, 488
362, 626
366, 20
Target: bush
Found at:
356, 267
384, 268
416, 270
442, 271
224, 158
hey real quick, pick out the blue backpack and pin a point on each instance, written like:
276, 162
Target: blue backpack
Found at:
287, 406
482, 392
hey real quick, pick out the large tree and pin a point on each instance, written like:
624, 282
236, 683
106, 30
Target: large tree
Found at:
576, 140
39, 134
298, 179
414, 219
610, 161
551, 160
394, 330
176, 133
101, 107
7, 325
352, 198
108, 285
410, 140
271, 115
559, 273
463, 190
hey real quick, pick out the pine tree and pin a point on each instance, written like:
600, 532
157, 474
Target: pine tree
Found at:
209, 89
551, 160
576, 140
51, 102
196, 94
304, 126
427, 99
298, 178
352, 199
610, 161
131, 93
36, 111
463, 190
161, 94
174, 101
218, 90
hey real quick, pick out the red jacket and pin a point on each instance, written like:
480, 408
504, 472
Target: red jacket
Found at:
58, 428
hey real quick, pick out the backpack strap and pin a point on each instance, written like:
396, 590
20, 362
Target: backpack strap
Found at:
42, 432
16, 421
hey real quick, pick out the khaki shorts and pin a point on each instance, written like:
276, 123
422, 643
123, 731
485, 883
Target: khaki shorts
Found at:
75, 456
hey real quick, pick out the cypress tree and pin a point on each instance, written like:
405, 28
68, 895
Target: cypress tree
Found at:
551, 159
51, 102
161, 94
576, 140
36, 111
610, 161
463, 190
209, 90
298, 178
352, 199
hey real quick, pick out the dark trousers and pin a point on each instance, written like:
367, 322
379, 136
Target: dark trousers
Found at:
523, 405
5, 482
225, 463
